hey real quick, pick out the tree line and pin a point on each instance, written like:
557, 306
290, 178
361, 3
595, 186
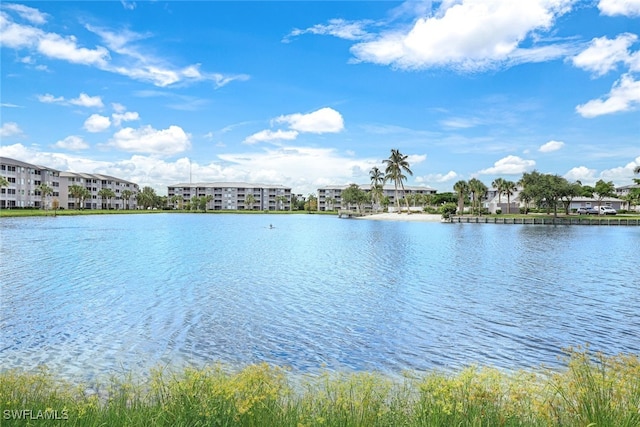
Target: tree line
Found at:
544, 191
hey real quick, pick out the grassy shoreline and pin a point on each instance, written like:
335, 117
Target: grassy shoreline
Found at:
592, 389
13, 213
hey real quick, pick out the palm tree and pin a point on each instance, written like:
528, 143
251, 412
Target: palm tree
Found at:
396, 164
84, 195
147, 197
499, 184
477, 189
280, 201
106, 193
329, 201
636, 170
4, 182
509, 188
126, 195
377, 180
44, 191
462, 189
208, 198
76, 191
249, 200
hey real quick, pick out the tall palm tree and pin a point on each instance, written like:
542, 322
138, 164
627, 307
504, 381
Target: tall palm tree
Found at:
396, 164
84, 195
636, 170
462, 190
329, 201
477, 189
208, 198
499, 184
4, 182
280, 201
509, 188
126, 195
76, 191
377, 180
249, 200
106, 193
44, 191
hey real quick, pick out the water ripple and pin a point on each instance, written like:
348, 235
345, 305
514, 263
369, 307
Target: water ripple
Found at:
98, 295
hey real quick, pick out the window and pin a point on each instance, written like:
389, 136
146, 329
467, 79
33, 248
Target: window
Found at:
12, 180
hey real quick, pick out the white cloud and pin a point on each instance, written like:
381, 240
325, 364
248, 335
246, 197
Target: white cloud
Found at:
619, 7
303, 168
269, 135
118, 108
437, 177
510, 165
550, 146
128, 116
72, 143
414, 159
622, 174
17, 36
624, 96
603, 54
50, 99
10, 129
120, 57
348, 30
66, 48
324, 120
583, 174
128, 5
97, 123
30, 14
469, 35
146, 139
140, 65
85, 100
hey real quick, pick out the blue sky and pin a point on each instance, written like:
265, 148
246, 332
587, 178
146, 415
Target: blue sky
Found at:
308, 94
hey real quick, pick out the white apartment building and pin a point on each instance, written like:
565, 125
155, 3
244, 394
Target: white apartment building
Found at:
329, 197
24, 179
232, 195
94, 183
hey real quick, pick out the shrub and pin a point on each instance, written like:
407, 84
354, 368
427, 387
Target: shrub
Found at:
448, 209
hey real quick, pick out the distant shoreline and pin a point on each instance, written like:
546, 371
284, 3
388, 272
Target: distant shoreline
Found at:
391, 216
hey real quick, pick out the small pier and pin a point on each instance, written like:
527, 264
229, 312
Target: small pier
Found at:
343, 213
544, 220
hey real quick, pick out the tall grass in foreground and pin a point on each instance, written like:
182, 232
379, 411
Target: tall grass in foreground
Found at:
593, 390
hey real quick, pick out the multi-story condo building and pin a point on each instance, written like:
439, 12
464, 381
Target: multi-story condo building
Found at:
232, 195
329, 197
24, 180
94, 183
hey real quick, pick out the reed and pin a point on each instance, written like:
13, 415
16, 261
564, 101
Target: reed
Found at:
591, 390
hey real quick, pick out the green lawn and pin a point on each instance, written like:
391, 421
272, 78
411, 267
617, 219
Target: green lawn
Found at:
67, 212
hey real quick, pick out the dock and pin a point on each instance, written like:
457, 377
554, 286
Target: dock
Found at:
545, 220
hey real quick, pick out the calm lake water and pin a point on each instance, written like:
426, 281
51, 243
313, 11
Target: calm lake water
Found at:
92, 295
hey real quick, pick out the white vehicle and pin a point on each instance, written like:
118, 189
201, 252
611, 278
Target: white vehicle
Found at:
607, 210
